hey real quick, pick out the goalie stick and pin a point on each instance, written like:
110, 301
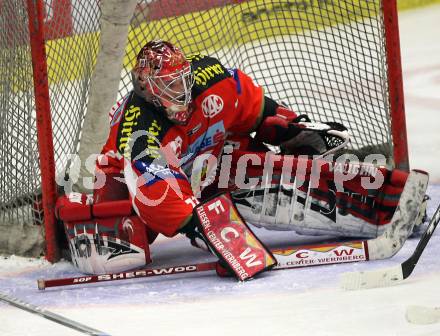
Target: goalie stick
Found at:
393, 275
51, 316
287, 258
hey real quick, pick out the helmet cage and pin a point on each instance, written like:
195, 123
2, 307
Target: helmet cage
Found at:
163, 76
172, 89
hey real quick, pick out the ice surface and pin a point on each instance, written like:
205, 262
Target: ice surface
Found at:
420, 44
290, 302
304, 301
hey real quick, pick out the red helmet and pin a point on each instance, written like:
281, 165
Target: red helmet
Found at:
163, 75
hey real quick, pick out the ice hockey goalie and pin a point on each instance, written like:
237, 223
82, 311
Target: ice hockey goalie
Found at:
186, 154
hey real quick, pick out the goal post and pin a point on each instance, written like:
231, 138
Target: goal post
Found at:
335, 60
43, 125
395, 84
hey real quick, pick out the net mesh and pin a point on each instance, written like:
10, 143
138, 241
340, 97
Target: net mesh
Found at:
324, 58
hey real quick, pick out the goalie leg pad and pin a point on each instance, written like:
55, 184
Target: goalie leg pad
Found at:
321, 207
105, 237
230, 239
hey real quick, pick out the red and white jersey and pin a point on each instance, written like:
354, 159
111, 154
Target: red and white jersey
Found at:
157, 156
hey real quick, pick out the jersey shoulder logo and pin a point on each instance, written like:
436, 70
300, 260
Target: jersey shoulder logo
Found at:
212, 105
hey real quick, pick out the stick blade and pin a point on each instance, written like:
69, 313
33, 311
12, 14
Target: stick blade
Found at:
371, 279
422, 315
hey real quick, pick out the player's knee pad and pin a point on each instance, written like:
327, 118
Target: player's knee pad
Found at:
105, 237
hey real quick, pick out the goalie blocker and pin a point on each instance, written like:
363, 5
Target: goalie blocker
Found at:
228, 237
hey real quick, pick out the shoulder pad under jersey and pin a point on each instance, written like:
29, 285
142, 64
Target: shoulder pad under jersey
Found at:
207, 72
142, 122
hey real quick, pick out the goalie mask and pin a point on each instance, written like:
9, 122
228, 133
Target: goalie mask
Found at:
163, 76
